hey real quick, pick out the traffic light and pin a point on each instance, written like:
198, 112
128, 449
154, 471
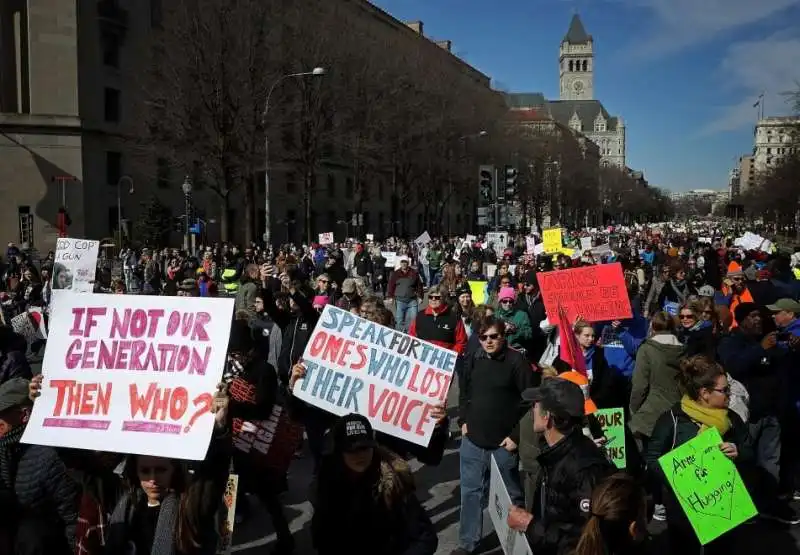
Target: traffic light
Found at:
512, 189
486, 183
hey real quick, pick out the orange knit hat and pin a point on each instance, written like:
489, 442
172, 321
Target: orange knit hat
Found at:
583, 382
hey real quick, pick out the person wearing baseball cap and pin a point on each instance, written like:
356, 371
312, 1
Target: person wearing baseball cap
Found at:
784, 313
364, 498
572, 463
34, 481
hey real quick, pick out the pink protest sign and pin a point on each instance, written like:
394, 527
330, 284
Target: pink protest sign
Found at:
138, 372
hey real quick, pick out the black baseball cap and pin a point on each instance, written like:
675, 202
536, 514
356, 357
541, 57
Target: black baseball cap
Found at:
353, 432
559, 397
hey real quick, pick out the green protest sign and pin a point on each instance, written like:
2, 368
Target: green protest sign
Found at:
613, 423
708, 486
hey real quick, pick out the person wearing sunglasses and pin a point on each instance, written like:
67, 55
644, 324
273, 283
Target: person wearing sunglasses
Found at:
518, 324
439, 323
704, 405
490, 409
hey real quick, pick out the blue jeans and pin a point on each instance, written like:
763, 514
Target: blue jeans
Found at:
405, 312
475, 469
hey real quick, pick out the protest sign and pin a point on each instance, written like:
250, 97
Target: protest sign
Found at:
357, 366
530, 245
708, 486
595, 293
225, 544
271, 443
326, 238
75, 265
423, 239
131, 374
613, 423
512, 541
391, 259
586, 244
478, 289
552, 239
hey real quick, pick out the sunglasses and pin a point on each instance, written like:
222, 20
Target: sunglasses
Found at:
506, 301
434, 297
687, 316
489, 336
323, 281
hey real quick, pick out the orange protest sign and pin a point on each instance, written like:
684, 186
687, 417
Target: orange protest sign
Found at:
595, 293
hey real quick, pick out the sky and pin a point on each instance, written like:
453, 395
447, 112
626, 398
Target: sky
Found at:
683, 74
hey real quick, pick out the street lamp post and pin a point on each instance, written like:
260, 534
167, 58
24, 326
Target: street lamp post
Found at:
129, 180
187, 198
317, 71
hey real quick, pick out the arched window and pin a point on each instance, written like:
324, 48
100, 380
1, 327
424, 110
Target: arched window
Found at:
584, 65
570, 65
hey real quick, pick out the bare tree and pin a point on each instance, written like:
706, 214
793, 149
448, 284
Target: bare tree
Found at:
204, 91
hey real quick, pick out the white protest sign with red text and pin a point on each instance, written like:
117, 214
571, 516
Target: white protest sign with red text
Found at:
395, 380
131, 374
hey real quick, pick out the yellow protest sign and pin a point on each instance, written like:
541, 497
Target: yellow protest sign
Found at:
552, 239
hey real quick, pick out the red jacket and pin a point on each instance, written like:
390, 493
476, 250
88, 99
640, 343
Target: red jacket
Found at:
459, 345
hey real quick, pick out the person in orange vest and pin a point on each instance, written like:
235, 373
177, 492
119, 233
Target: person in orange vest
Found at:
734, 289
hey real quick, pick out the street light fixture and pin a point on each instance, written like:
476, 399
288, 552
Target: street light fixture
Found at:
316, 72
129, 180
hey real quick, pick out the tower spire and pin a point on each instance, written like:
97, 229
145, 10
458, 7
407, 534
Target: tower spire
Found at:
577, 33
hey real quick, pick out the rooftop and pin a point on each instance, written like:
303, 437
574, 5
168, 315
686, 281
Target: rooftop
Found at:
576, 33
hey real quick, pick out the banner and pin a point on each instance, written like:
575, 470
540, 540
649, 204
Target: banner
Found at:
357, 366
586, 244
551, 238
132, 374
530, 245
708, 486
326, 238
75, 265
613, 423
423, 239
595, 293
512, 541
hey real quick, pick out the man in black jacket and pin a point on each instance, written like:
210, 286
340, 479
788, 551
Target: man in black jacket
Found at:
490, 409
39, 500
571, 466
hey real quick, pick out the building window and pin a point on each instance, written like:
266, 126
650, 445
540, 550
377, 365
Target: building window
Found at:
287, 138
111, 105
113, 167
348, 188
162, 173
113, 220
156, 13
331, 185
111, 46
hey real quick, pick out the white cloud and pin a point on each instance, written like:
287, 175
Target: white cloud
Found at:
684, 23
770, 65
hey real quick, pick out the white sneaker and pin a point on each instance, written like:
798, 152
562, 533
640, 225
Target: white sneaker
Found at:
660, 513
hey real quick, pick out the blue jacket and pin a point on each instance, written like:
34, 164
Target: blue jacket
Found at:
621, 354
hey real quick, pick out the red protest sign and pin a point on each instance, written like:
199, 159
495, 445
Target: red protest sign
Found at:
595, 293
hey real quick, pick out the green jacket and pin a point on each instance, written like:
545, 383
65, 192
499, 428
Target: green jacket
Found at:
654, 388
520, 319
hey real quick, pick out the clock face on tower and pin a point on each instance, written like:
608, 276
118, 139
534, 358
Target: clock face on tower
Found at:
578, 86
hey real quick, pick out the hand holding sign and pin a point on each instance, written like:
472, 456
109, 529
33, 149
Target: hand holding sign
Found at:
707, 485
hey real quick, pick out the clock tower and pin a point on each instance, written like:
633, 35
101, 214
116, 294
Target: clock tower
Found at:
576, 63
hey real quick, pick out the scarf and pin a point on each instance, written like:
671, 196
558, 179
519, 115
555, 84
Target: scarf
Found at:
680, 288
166, 527
707, 417
10, 449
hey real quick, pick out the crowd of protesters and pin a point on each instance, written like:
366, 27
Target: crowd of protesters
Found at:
712, 342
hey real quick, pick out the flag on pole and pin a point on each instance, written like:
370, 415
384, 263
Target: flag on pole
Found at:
569, 350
